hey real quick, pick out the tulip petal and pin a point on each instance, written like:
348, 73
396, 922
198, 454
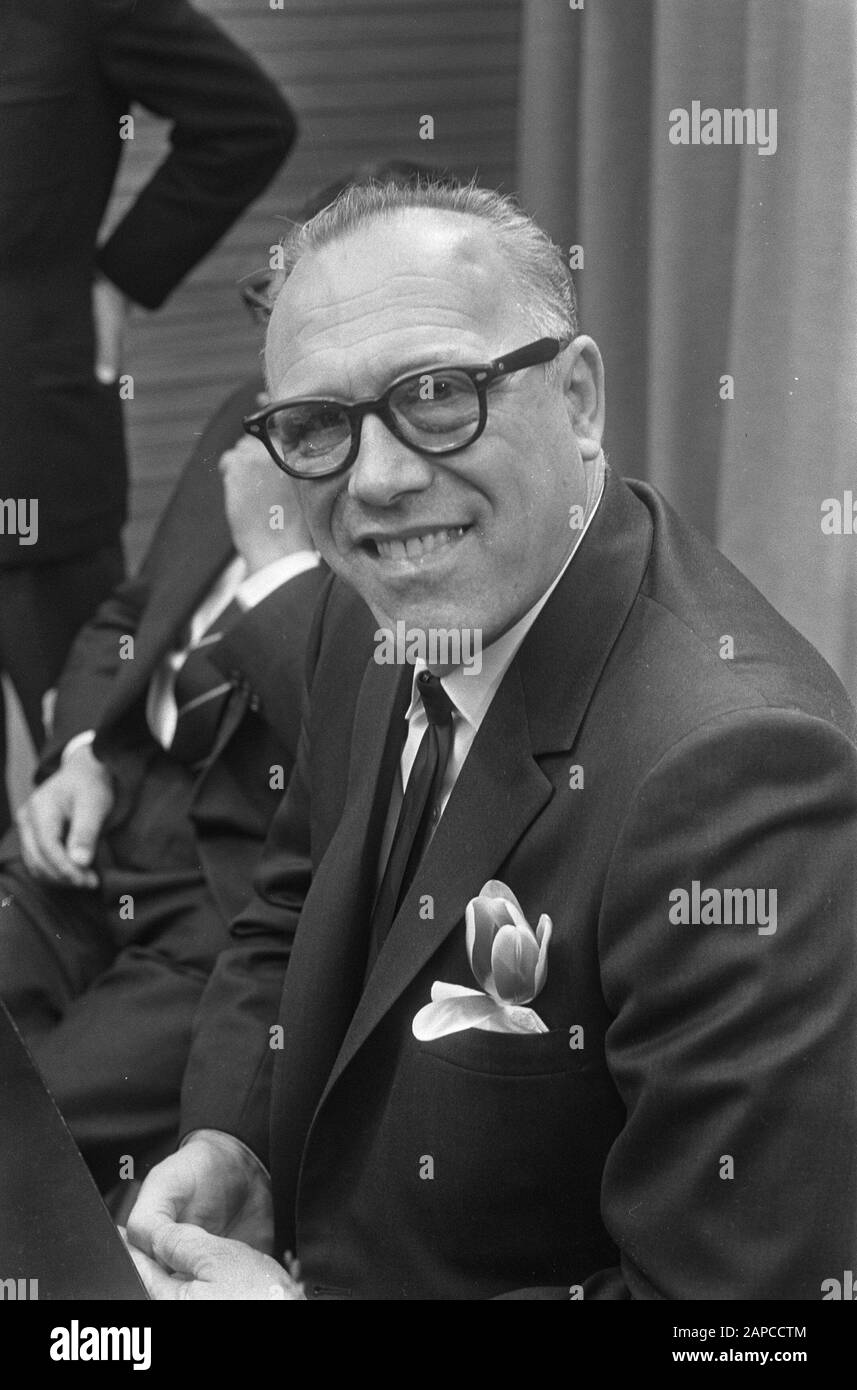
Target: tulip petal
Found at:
543, 936
505, 905
509, 1018
495, 889
440, 991
483, 920
514, 957
520, 1020
447, 1016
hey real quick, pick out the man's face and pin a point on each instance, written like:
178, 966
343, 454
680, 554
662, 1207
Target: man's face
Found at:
473, 539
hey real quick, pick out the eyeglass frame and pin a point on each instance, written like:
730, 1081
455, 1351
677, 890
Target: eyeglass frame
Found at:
481, 376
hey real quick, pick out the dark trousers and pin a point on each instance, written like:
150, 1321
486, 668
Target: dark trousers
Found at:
105, 1000
42, 607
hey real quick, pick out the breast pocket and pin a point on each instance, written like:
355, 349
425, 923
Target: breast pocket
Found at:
517, 1129
509, 1054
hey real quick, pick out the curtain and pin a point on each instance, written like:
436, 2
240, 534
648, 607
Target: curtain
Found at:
719, 281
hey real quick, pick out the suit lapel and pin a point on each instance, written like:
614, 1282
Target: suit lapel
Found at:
566, 650
182, 576
188, 570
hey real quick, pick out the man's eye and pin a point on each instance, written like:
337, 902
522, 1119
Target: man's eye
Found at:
435, 386
312, 430
434, 393
442, 386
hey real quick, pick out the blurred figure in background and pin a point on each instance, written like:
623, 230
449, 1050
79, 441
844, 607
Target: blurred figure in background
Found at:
70, 76
175, 732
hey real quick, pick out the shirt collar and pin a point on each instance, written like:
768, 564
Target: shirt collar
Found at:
472, 691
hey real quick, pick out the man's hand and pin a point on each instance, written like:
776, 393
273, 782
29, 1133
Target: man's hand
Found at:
109, 313
261, 506
212, 1182
60, 823
191, 1264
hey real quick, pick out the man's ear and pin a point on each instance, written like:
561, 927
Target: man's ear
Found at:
583, 386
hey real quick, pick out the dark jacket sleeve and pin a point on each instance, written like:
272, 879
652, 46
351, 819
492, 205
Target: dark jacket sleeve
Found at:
231, 131
733, 1046
91, 668
227, 1082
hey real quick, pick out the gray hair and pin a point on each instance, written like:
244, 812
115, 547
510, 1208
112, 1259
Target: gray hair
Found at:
547, 290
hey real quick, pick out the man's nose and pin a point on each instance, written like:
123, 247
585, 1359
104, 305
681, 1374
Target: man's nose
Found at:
385, 467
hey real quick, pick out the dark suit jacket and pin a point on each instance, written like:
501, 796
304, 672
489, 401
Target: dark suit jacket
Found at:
261, 654
69, 72
557, 1169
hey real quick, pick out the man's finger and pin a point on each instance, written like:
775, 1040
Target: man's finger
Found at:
44, 826
30, 853
46, 832
185, 1248
157, 1282
109, 312
161, 1199
87, 819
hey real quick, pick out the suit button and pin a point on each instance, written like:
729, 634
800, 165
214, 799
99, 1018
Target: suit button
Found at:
254, 703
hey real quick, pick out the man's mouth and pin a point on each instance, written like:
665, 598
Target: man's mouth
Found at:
415, 546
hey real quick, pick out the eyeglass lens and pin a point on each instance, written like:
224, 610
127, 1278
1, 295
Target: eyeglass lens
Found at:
435, 411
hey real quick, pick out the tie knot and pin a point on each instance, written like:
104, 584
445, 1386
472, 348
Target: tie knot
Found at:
436, 703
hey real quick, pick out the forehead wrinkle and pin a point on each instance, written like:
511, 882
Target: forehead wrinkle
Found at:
413, 288
347, 318
369, 350
402, 310
326, 372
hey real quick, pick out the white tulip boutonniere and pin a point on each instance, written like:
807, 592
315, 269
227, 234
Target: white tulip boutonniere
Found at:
508, 959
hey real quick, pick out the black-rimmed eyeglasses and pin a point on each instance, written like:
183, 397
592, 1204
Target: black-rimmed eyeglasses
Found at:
435, 411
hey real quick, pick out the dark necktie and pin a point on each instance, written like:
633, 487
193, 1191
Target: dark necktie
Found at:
417, 810
201, 694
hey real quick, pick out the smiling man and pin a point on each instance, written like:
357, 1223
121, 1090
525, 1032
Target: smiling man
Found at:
497, 1065
472, 544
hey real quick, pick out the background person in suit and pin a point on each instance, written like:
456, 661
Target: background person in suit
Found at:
685, 1126
139, 843
70, 74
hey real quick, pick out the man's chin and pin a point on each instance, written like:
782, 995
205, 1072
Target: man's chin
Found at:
416, 619
416, 603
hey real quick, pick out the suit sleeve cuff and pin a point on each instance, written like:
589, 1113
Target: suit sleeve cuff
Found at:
227, 1141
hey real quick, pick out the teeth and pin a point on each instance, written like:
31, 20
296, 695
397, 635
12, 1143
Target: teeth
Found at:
417, 546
